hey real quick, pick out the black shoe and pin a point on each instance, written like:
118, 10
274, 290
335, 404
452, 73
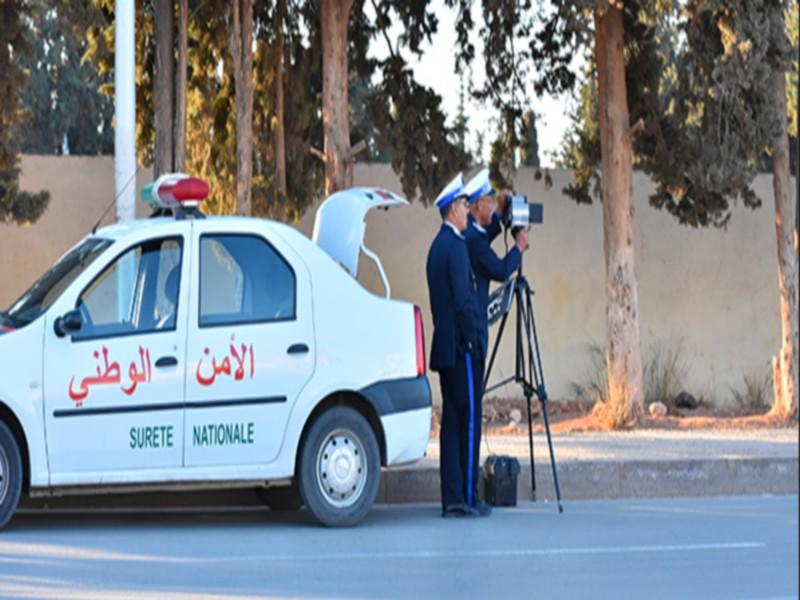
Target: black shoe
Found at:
483, 509
459, 511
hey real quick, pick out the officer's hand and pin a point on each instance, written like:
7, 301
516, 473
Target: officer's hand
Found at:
521, 239
502, 200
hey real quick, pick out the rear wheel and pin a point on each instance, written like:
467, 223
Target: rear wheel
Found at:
10, 474
340, 467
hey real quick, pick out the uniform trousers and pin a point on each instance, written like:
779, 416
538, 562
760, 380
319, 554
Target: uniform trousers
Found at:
460, 436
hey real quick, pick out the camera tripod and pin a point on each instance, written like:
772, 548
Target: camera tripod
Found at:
528, 362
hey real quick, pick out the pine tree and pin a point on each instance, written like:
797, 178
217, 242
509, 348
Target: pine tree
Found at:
16, 46
530, 148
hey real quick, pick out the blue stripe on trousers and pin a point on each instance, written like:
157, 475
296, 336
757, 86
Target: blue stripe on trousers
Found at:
471, 427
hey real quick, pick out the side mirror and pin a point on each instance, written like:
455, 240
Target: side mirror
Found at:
68, 323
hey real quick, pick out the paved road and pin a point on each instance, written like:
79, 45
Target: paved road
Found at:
742, 547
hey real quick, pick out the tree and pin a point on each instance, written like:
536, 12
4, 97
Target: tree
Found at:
710, 107
338, 154
241, 33
67, 113
179, 129
731, 90
514, 45
280, 111
15, 45
409, 127
164, 86
785, 364
625, 391
462, 122
530, 148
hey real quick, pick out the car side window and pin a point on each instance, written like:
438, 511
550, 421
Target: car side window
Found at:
136, 293
243, 279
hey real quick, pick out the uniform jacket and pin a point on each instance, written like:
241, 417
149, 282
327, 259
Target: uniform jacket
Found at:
451, 285
488, 266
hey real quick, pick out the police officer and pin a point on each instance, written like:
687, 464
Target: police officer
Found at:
484, 226
455, 354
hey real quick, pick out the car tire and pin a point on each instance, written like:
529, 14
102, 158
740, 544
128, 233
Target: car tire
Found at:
285, 498
339, 467
10, 474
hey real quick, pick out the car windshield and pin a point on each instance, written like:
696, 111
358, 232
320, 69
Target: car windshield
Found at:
41, 295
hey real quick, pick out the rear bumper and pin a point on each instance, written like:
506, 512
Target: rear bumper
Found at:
406, 435
404, 407
399, 395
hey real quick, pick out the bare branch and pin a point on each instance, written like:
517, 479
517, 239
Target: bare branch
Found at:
637, 127
357, 149
318, 153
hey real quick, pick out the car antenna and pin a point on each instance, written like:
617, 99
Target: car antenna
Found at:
114, 201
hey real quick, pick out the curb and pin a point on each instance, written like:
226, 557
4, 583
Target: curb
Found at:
588, 480
579, 480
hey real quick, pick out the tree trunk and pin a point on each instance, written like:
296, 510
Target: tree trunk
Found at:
785, 364
335, 15
163, 86
280, 138
180, 87
625, 402
242, 52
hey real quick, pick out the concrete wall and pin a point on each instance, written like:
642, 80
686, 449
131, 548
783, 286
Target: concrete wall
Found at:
712, 293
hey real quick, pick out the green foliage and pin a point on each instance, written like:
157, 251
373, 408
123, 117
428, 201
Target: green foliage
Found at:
580, 148
793, 33
361, 128
62, 95
664, 372
16, 46
462, 122
419, 145
411, 123
594, 385
699, 76
530, 147
755, 393
22, 208
722, 116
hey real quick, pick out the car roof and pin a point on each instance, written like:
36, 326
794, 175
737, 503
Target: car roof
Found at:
168, 224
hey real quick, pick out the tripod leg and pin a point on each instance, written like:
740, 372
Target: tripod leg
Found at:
494, 350
530, 448
552, 455
538, 375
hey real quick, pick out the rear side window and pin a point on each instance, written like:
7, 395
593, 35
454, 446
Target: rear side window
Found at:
243, 279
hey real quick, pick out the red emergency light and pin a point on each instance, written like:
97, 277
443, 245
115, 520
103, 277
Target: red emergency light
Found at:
175, 190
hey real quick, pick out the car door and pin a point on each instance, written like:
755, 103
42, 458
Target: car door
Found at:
250, 345
113, 390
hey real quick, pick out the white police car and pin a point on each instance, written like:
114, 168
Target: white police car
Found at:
194, 352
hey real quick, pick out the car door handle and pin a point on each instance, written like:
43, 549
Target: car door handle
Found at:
167, 361
297, 349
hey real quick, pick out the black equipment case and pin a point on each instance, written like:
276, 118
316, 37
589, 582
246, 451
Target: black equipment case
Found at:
500, 485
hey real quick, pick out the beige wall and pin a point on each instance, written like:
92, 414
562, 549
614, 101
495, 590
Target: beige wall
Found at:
713, 292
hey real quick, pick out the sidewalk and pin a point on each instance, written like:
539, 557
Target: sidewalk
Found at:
649, 463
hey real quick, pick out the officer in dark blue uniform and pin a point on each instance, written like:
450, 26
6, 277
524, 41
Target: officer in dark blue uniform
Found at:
455, 354
484, 226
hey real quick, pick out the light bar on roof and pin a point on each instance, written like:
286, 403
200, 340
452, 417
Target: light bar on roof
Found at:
175, 190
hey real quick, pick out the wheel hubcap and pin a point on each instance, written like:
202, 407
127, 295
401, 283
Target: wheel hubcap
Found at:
342, 468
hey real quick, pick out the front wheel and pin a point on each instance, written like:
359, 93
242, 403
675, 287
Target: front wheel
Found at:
340, 467
10, 474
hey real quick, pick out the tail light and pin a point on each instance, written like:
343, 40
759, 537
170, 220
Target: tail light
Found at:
420, 336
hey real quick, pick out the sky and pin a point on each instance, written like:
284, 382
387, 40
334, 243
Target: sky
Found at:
436, 69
